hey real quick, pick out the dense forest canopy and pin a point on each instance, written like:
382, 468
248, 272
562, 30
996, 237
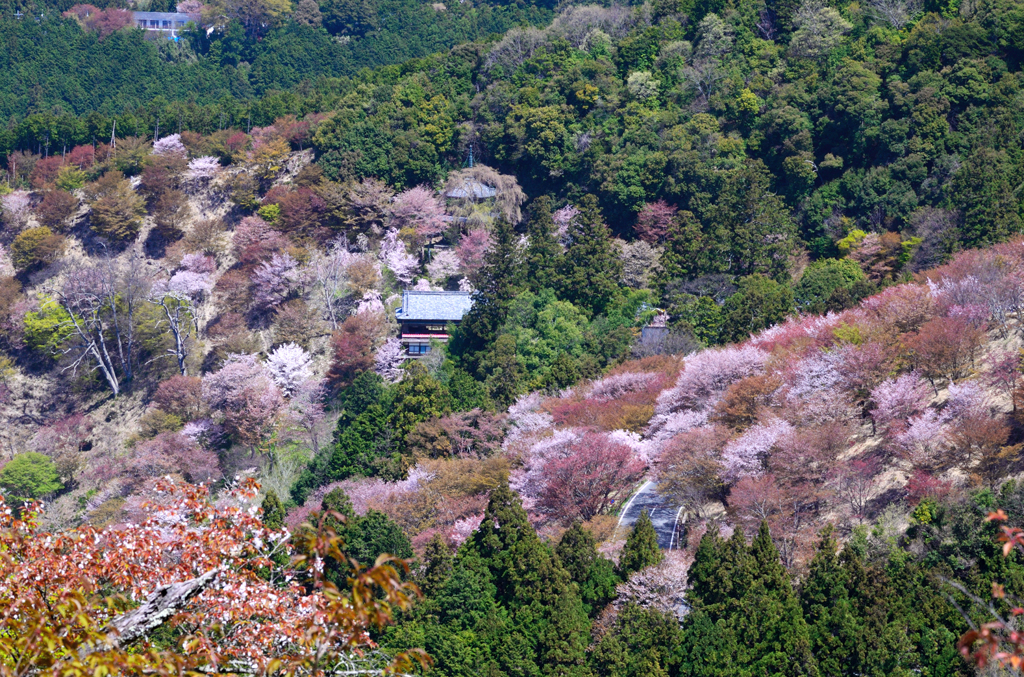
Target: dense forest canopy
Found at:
53, 64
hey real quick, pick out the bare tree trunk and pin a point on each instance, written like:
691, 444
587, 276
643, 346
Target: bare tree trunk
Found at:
156, 610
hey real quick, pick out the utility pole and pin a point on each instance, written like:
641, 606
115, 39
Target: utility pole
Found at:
113, 140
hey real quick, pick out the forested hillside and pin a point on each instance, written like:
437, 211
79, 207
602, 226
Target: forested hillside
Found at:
54, 66
766, 258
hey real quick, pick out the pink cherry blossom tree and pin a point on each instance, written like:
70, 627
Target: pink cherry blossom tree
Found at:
170, 145
388, 360
421, 209
204, 168
254, 239
854, 483
472, 248
584, 482
423, 284
370, 303
274, 281
817, 392
653, 221
246, 399
897, 399
701, 383
199, 263
169, 453
563, 218
16, 208
396, 259
614, 387
924, 436
1004, 374
747, 455
6, 266
306, 415
661, 587
330, 281
290, 366
443, 265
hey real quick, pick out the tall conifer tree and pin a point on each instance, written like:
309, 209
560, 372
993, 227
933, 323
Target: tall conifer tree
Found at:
543, 254
590, 270
500, 281
641, 549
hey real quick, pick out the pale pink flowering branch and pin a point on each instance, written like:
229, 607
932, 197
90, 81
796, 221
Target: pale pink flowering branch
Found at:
746, 455
170, 145
290, 366
388, 360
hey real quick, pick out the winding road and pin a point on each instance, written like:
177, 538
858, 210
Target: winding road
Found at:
665, 514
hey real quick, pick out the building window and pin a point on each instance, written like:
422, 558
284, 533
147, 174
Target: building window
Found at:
167, 24
153, 23
419, 349
435, 327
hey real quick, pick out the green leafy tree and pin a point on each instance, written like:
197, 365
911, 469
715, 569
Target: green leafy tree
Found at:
508, 607
642, 642
368, 446
543, 254
641, 549
689, 252
29, 476
34, 247
504, 372
758, 304
417, 397
544, 329
985, 192
47, 329
436, 565
702, 316
761, 231
590, 269
499, 283
273, 511
374, 534
745, 614
545, 611
366, 389
593, 574
822, 279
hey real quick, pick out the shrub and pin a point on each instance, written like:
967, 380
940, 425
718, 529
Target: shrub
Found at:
822, 279
56, 207
35, 247
759, 303
47, 328
29, 476
156, 421
117, 210
70, 178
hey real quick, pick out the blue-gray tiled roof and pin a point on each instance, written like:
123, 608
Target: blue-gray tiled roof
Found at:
170, 16
434, 305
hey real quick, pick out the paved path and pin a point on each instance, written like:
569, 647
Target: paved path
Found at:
664, 513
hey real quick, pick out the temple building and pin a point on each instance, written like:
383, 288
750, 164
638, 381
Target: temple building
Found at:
425, 316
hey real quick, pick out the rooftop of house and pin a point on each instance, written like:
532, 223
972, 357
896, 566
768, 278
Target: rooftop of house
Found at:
434, 305
169, 16
472, 189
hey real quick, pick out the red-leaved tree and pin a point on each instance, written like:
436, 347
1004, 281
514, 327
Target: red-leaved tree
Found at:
653, 221
205, 570
585, 482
